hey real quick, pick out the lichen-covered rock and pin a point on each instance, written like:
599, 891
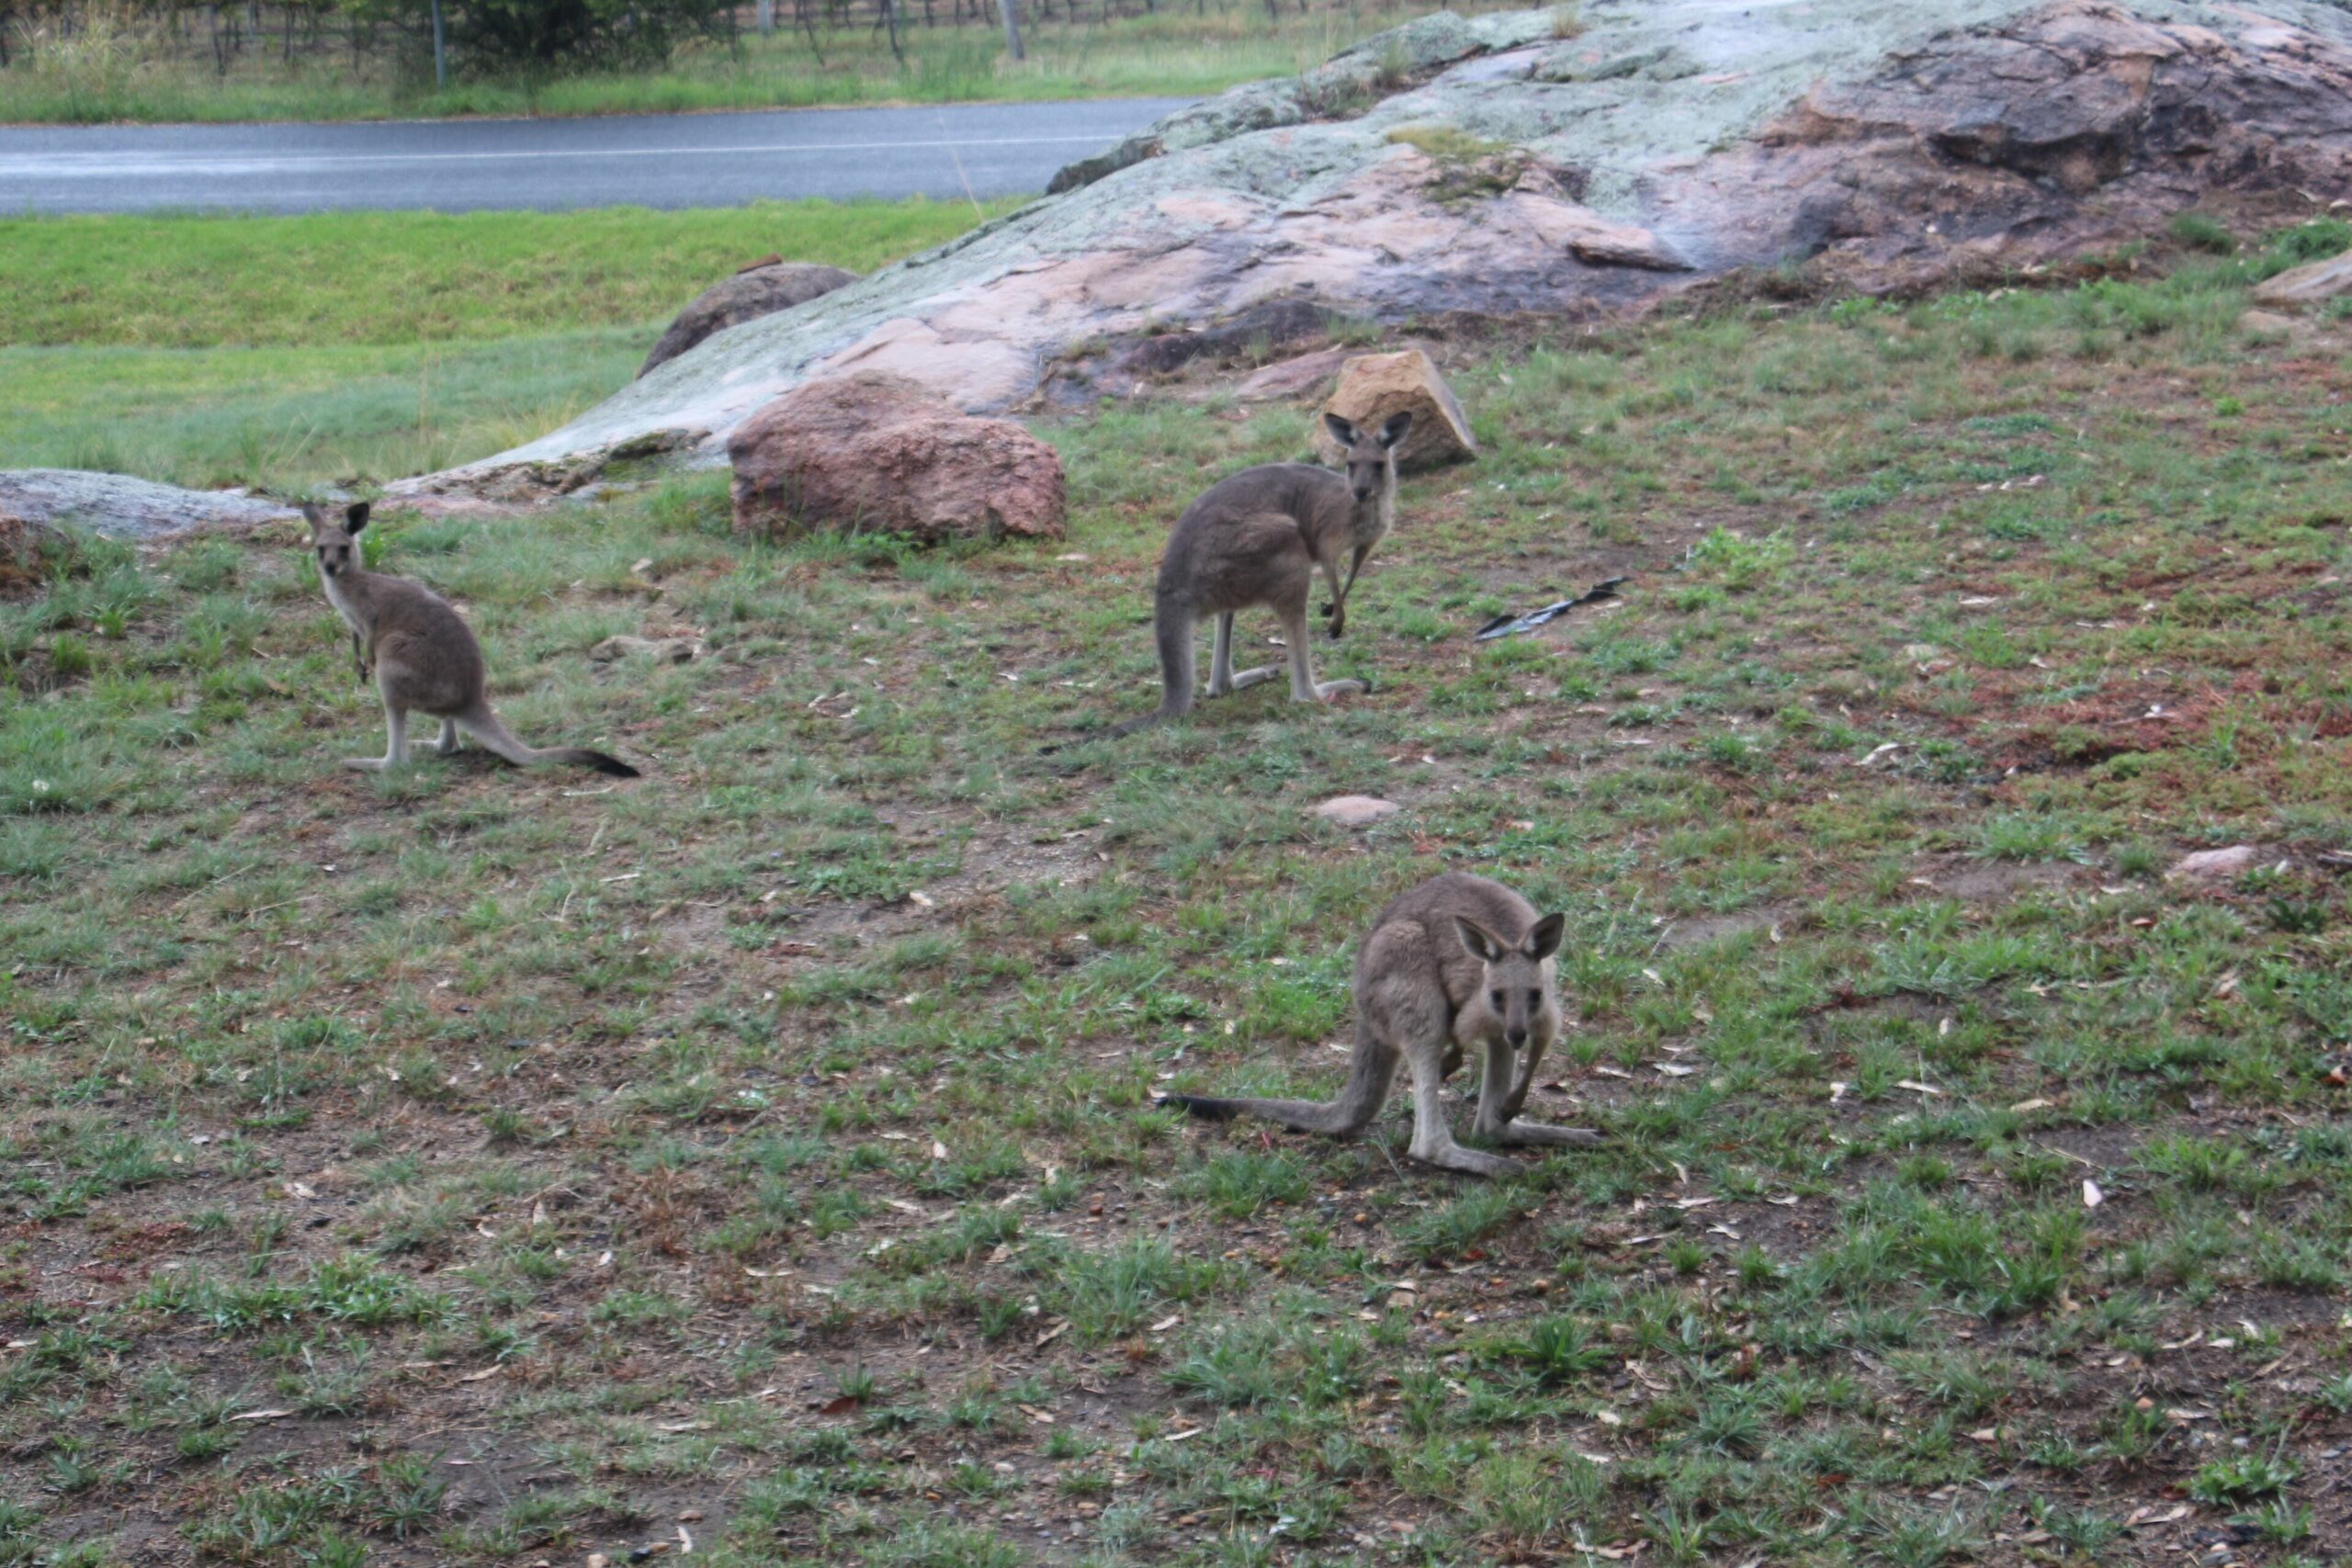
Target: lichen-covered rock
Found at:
2314, 282
760, 290
871, 453
1883, 147
122, 507
1374, 385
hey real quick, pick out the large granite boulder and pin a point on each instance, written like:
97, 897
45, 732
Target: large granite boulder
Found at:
760, 290
877, 453
1486, 165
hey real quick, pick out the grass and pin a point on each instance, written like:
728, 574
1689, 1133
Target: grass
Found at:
122, 72
357, 347
575, 1166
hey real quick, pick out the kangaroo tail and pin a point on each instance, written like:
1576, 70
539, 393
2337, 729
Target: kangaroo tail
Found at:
1172, 626
1369, 1075
483, 726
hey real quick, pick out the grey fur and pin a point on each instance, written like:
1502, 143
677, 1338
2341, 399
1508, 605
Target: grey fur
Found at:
1425, 981
1259, 538
422, 654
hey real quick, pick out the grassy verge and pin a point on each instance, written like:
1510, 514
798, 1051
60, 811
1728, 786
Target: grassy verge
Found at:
285, 351
477, 1167
1178, 51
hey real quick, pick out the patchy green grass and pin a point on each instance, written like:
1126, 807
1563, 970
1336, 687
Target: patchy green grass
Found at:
404, 278
289, 352
542, 1168
1179, 50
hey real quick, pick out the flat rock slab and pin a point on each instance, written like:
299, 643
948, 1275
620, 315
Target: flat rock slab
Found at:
2313, 282
1292, 377
1484, 165
2211, 865
1357, 810
123, 508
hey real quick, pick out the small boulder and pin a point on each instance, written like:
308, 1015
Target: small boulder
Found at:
1356, 810
2314, 282
1374, 385
2208, 866
875, 453
760, 290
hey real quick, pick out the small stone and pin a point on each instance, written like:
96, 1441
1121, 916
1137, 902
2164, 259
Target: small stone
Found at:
1920, 652
1356, 810
2267, 323
2213, 864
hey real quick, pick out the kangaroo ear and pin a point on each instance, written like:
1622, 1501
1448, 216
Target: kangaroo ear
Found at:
1482, 943
316, 519
1342, 430
1544, 939
1394, 431
355, 517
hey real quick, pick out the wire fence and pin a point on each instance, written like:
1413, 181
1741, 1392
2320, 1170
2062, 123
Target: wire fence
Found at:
359, 33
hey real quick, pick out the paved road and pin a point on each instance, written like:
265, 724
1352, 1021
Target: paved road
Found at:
705, 159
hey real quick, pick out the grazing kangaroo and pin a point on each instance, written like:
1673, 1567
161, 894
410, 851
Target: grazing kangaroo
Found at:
1458, 964
422, 655
1258, 537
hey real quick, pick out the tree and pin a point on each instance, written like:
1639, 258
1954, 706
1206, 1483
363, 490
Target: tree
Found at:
1012, 11
505, 36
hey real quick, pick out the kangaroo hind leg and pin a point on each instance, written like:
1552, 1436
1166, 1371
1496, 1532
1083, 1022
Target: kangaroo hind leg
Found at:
1304, 687
395, 743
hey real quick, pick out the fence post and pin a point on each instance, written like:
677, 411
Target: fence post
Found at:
440, 56
1010, 10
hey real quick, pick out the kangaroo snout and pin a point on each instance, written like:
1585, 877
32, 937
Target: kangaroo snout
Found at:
1518, 1037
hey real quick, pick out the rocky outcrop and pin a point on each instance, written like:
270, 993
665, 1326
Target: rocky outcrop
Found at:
760, 290
875, 453
1374, 385
124, 508
1488, 166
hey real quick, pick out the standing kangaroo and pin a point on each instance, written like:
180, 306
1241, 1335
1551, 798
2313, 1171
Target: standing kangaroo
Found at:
421, 653
1456, 965
1259, 538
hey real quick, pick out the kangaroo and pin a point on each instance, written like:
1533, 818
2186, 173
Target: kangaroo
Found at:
1455, 965
422, 654
1258, 537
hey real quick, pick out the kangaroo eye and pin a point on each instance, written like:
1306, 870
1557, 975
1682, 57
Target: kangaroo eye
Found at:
1534, 998
1495, 1000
